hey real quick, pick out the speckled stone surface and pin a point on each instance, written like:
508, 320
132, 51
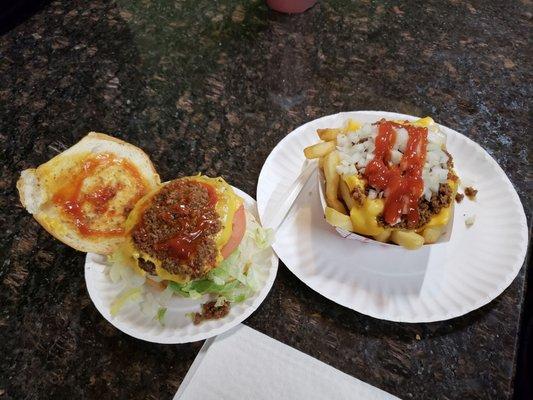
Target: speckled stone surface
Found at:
212, 86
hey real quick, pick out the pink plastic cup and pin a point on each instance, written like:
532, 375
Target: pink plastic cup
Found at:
290, 6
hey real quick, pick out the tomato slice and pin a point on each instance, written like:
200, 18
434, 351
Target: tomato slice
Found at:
237, 232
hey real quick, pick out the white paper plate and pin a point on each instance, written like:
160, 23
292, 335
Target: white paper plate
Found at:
177, 328
433, 283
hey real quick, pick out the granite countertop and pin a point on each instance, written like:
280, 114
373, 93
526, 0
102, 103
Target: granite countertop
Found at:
212, 87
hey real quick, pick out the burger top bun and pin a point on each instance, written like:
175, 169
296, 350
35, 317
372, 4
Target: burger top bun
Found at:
83, 196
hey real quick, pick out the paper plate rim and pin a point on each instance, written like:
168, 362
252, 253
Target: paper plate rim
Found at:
177, 339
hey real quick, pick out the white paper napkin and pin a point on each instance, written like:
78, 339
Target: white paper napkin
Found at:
245, 364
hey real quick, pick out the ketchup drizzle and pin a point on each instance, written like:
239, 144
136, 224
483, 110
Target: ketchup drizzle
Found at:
71, 199
191, 230
402, 184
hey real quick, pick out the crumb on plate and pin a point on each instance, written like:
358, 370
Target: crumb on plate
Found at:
470, 192
211, 311
469, 221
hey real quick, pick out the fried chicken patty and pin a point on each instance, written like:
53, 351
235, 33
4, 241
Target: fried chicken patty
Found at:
178, 228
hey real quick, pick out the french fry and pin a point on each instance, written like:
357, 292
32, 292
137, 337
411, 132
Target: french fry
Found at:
332, 181
432, 233
321, 163
383, 236
328, 133
346, 195
408, 239
319, 150
336, 218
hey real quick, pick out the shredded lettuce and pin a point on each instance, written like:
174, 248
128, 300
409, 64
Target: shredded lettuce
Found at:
165, 296
120, 271
149, 305
193, 294
263, 237
130, 295
160, 316
203, 286
253, 280
221, 274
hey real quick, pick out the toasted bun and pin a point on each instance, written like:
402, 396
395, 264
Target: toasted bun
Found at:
129, 176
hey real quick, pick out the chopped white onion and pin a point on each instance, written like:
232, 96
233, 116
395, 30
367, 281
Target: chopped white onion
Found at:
395, 157
401, 138
341, 140
356, 150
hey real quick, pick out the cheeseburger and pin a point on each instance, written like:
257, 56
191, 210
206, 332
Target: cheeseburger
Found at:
187, 237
